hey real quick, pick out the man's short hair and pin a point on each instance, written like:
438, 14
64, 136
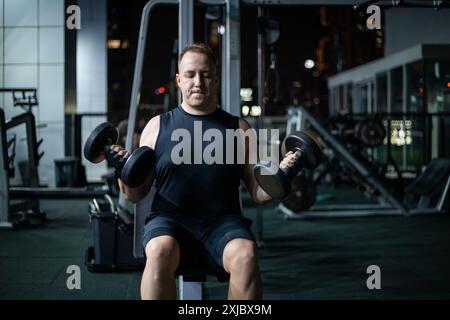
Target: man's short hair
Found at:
199, 48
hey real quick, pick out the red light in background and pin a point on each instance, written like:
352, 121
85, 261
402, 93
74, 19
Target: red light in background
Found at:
160, 90
448, 84
420, 90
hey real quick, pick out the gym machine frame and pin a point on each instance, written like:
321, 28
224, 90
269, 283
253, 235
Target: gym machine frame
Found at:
33, 193
389, 205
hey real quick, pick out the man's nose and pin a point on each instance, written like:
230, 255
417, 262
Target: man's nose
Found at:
198, 80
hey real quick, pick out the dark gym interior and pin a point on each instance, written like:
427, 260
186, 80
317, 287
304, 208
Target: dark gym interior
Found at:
364, 214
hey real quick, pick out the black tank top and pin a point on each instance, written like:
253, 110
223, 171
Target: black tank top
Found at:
191, 189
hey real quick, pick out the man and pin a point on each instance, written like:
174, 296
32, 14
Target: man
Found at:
197, 200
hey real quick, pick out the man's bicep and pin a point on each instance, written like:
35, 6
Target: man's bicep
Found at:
243, 124
146, 140
150, 133
250, 142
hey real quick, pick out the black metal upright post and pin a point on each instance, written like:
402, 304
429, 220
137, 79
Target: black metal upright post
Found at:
259, 123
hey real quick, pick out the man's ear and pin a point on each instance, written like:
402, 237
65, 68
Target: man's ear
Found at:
177, 79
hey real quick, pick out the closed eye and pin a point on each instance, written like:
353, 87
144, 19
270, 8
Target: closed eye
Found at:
191, 74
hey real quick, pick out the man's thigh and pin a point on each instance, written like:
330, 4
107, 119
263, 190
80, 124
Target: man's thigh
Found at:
161, 225
191, 253
222, 232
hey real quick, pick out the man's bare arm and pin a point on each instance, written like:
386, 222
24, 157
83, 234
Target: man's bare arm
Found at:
148, 138
252, 185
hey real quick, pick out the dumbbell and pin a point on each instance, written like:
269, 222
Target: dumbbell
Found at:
368, 132
134, 170
276, 181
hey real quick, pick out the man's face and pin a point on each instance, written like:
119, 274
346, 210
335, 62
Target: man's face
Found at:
197, 80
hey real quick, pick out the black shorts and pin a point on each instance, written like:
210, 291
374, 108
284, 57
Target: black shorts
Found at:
209, 236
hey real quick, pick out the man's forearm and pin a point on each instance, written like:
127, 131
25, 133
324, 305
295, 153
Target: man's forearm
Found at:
136, 194
261, 196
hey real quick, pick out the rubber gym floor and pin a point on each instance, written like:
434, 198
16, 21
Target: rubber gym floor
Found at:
300, 259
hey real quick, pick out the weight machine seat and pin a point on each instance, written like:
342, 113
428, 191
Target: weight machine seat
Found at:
432, 179
195, 265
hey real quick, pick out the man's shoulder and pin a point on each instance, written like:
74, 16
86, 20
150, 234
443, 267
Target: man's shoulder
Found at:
167, 114
244, 124
170, 112
152, 125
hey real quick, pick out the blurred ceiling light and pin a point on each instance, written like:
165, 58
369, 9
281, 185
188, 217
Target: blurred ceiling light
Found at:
245, 110
297, 84
255, 111
309, 64
246, 94
113, 44
437, 72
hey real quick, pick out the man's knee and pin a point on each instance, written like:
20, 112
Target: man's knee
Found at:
240, 255
163, 254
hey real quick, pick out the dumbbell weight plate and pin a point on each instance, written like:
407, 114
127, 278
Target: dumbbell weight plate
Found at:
138, 167
103, 134
370, 133
310, 148
302, 195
